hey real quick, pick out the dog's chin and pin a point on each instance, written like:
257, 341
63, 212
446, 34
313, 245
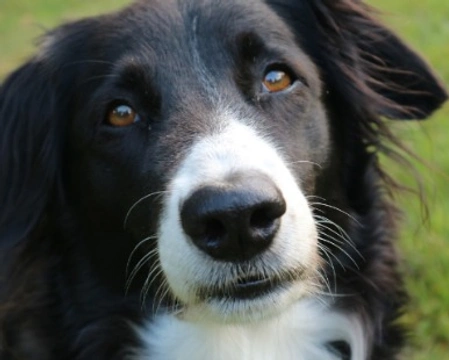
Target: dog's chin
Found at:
246, 301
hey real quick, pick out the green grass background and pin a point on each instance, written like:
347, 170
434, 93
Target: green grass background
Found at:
425, 247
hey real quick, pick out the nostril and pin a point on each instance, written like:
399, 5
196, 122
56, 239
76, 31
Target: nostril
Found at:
213, 229
260, 219
265, 216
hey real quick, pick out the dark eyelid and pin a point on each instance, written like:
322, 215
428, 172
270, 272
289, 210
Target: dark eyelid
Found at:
118, 102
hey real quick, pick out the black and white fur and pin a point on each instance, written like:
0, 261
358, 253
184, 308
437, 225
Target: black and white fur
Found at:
120, 242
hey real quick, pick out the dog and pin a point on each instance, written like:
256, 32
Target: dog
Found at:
199, 179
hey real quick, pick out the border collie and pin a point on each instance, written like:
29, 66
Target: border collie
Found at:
198, 180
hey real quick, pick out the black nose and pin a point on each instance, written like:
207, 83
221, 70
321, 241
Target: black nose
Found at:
234, 220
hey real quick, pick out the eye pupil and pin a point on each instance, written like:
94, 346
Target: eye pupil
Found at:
122, 115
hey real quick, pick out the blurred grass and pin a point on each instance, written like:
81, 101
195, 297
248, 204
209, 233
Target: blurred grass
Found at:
424, 25
22, 21
425, 249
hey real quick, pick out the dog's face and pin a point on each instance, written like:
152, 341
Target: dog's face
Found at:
194, 137
187, 127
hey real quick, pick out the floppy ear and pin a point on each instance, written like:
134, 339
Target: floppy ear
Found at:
401, 76
29, 149
391, 77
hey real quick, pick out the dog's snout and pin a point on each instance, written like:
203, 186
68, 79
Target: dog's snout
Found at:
234, 220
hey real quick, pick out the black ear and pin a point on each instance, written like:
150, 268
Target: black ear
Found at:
29, 147
401, 76
374, 62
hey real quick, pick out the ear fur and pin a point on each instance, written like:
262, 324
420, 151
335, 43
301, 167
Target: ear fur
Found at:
394, 81
29, 148
34, 107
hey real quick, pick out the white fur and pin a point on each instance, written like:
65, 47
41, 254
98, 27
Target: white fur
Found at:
286, 324
235, 148
298, 334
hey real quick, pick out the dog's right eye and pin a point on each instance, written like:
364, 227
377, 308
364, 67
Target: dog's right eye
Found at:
121, 115
276, 80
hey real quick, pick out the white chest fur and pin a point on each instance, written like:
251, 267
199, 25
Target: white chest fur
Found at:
298, 334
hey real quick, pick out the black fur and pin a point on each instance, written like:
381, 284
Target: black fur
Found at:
67, 180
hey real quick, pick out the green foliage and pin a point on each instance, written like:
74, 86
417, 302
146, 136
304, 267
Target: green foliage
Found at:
425, 245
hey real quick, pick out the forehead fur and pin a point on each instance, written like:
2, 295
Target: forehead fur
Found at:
157, 28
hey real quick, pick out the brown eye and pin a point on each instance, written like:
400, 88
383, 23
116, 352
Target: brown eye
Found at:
122, 115
277, 80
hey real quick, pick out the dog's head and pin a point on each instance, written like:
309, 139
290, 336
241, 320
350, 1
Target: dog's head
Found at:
190, 141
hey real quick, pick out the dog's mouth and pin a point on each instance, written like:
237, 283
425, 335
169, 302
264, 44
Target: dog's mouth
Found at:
249, 287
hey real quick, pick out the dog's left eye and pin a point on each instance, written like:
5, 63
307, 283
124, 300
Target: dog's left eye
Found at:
122, 115
276, 80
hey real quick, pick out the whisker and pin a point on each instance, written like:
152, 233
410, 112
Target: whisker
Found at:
139, 266
311, 196
321, 279
322, 293
325, 250
136, 248
152, 275
305, 162
341, 238
342, 234
329, 241
338, 243
319, 299
139, 201
163, 295
336, 209
162, 289
330, 252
